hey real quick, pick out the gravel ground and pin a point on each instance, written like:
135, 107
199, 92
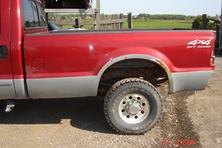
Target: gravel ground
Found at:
190, 119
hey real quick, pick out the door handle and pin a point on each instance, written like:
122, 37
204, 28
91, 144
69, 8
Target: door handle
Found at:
3, 52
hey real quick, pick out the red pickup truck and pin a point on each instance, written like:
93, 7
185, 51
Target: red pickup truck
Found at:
123, 66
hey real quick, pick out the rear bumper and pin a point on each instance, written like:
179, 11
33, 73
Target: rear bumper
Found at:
189, 80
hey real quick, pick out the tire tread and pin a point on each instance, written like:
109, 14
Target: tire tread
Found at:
142, 129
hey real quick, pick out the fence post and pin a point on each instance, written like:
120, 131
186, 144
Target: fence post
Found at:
129, 20
97, 15
121, 16
204, 21
77, 22
47, 16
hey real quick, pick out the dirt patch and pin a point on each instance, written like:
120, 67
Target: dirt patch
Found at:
176, 125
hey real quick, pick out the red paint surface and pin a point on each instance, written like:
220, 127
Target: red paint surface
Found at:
5, 63
49, 55
62, 55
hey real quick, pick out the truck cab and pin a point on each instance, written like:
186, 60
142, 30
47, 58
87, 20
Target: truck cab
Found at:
14, 26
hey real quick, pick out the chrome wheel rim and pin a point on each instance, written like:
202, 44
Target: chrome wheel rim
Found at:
134, 108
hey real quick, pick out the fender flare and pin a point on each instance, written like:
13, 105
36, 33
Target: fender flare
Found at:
147, 57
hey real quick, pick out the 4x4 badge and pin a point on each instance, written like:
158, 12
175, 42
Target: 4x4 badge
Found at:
199, 44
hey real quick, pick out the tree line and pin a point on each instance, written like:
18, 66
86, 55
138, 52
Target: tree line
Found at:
145, 16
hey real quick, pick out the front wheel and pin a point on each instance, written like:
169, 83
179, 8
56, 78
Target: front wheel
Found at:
132, 106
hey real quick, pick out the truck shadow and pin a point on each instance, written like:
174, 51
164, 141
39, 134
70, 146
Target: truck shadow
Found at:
85, 113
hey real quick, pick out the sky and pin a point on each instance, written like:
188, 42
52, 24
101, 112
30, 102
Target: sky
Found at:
186, 7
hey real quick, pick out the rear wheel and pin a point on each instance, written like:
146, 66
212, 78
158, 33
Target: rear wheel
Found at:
132, 106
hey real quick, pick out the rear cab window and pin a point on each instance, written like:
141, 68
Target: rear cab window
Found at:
33, 16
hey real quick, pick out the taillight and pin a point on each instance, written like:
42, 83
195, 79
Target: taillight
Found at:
212, 58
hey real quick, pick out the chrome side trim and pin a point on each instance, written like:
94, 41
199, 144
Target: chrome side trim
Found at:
7, 89
63, 87
190, 80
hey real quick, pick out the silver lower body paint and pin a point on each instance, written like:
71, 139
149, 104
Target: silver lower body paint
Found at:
7, 89
63, 87
71, 87
190, 80
88, 86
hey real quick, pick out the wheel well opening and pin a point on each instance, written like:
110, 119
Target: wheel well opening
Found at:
132, 68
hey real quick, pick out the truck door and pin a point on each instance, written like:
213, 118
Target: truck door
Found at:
6, 74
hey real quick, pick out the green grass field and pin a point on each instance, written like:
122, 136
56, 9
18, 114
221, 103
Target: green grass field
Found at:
151, 24
157, 24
